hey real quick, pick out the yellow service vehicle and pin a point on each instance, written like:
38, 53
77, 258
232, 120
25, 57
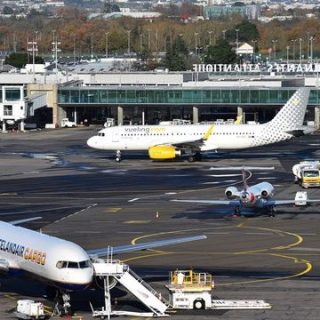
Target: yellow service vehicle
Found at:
307, 173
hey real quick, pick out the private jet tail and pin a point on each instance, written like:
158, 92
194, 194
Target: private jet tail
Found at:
288, 121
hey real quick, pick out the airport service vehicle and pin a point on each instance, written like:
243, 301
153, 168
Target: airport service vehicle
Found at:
187, 290
66, 123
29, 309
168, 142
63, 265
258, 196
193, 290
307, 173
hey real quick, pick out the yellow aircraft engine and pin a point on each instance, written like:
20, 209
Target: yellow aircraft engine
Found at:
163, 152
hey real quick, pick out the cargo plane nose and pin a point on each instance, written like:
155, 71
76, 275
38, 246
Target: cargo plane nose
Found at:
92, 142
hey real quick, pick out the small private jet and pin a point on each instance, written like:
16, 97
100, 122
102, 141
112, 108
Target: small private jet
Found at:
258, 196
63, 265
167, 142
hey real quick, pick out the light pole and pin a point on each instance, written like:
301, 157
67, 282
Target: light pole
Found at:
33, 49
149, 39
107, 35
224, 34
288, 48
129, 31
141, 42
274, 43
254, 49
74, 48
196, 42
293, 49
55, 49
237, 40
308, 44
300, 50
311, 49
210, 42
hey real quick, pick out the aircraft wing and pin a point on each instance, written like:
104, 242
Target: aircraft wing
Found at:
142, 246
279, 202
193, 144
301, 131
222, 202
286, 202
16, 222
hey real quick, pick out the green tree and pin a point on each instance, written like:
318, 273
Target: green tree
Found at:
19, 60
7, 10
247, 31
220, 53
177, 55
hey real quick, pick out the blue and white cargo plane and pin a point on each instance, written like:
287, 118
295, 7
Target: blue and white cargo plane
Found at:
63, 265
169, 142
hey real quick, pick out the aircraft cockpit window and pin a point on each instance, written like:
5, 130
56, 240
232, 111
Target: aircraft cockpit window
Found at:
61, 264
101, 134
84, 264
73, 265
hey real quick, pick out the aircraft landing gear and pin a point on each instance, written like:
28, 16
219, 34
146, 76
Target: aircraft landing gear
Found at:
62, 305
237, 211
118, 156
272, 212
61, 300
195, 157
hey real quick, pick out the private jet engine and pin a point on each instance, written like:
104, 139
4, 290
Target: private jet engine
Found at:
163, 152
266, 190
232, 192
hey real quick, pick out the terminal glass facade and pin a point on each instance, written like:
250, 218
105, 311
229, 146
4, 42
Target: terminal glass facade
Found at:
178, 96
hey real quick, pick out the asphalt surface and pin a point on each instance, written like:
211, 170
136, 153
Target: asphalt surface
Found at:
83, 196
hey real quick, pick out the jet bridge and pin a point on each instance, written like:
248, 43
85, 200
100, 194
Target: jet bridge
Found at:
120, 272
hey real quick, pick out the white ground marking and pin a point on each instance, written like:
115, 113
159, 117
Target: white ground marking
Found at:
240, 168
224, 175
213, 182
266, 178
134, 199
171, 193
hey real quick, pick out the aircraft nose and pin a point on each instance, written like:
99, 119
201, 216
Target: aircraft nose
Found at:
91, 142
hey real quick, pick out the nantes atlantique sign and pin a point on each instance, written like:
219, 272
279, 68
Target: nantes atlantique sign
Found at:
257, 68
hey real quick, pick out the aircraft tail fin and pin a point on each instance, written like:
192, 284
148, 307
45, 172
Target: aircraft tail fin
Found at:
292, 114
244, 179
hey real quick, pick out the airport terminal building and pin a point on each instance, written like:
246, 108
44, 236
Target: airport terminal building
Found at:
207, 93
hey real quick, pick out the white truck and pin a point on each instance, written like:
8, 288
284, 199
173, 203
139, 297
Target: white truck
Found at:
29, 309
307, 173
66, 123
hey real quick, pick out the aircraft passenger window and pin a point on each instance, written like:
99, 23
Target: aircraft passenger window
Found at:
73, 265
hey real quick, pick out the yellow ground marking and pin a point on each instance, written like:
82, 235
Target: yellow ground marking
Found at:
295, 275
113, 210
240, 225
137, 221
265, 251
8, 296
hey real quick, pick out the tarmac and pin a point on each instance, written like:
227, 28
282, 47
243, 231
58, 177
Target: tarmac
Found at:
84, 196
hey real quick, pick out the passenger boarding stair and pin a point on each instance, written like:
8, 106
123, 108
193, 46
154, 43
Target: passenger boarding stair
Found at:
133, 283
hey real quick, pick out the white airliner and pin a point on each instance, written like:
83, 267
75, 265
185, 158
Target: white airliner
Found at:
258, 196
63, 265
168, 142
